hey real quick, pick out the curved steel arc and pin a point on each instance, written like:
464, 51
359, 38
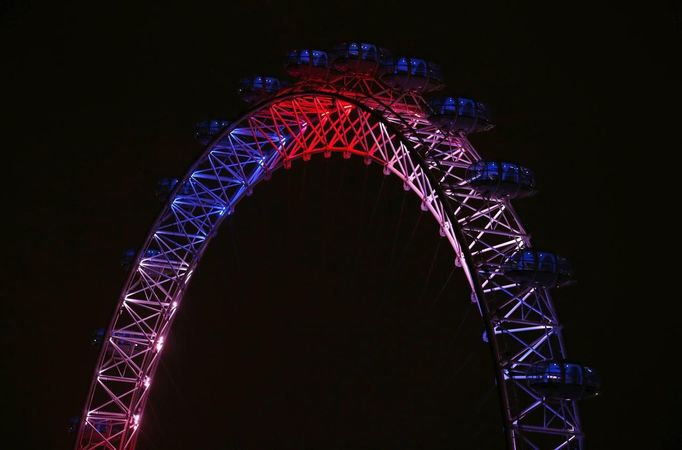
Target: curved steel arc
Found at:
315, 121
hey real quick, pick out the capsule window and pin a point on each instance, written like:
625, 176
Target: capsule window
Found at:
434, 71
418, 67
527, 260
402, 65
319, 59
450, 105
563, 265
553, 372
525, 176
369, 51
546, 262
491, 170
293, 57
574, 374
467, 107
510, 172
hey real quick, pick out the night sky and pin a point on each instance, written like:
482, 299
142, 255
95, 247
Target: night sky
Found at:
326, 314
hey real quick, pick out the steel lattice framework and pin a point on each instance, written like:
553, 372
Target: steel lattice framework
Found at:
354, 115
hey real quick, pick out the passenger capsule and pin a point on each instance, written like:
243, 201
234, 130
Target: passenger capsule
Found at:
257, 88
499, 179
73, 424
128, 257
359, 57
309, 64
459, 114
98, 337
535, 268
126, 343
104, 427
412, 74
166, 185
206, 130
563, 380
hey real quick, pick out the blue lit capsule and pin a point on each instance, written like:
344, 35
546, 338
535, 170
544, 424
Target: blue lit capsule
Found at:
312, 64
359, 57
530, 267
498, 179
206, 130
412, 74
257, 88
459, 114
563, 380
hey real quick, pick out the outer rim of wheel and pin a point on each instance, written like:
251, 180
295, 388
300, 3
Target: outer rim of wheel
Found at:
467, 260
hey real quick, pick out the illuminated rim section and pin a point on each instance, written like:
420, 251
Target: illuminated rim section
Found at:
355, 116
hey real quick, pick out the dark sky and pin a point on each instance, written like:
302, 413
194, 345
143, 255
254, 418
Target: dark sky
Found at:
326, 314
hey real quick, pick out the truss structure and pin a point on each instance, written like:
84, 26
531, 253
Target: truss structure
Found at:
354, 115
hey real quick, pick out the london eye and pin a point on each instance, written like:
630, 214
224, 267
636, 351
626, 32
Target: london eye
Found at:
394, 112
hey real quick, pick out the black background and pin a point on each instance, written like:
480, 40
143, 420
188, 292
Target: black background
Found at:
327, 313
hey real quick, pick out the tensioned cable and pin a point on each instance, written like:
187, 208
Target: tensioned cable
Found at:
396, 234
376, 202
444, 287
410, 239
430, 272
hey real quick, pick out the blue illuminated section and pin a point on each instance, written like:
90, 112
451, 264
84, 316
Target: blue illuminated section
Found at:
499, 179
216, 190
563, 380
530, 267
460, 114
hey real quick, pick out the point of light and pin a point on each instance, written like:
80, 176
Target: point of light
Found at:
147, 382
159, 344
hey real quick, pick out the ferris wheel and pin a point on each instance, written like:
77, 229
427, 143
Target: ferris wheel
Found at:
359, 100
